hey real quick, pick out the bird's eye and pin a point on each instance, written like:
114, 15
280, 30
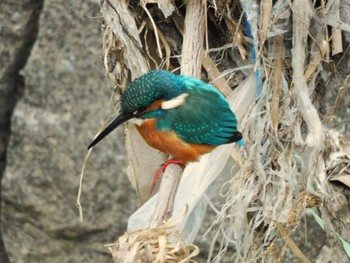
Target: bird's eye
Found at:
139, 111
142, 109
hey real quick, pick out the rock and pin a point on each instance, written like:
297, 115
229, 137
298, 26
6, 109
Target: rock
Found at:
64, 103
18, 30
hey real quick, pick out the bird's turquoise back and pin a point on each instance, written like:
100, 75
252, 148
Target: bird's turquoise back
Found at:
204, 118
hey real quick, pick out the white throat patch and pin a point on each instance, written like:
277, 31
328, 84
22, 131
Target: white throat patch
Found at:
175, 102
136, 121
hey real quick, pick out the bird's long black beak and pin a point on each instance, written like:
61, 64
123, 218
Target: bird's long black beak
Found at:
114, 124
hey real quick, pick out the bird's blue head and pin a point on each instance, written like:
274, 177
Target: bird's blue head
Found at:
155, 85
141, 93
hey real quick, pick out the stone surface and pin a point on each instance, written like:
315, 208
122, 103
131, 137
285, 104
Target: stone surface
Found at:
65, 101
18, 31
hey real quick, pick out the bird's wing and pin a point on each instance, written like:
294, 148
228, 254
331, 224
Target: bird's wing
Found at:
204, 118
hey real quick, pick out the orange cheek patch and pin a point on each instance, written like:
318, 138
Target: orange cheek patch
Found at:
155, 105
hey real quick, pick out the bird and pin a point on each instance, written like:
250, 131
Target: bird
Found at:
179, 115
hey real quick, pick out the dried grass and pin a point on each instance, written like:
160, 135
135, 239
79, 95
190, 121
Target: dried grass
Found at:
161, 244
289, 153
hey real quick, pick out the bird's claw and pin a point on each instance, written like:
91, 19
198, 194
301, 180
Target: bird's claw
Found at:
162, 169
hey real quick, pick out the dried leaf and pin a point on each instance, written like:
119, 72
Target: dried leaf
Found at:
265, 16
143, 162
278, 53
344, 179
166, 6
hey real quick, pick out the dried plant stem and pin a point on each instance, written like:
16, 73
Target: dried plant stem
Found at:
266, 8
216, 76
165, 45
167, 192
308, 111
155, 30
193, 39
278, 51
291, 244
80, 207
337, 43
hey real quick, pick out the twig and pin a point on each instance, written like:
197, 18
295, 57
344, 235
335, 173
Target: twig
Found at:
81, 215
266, 9
166, 46
155, 30
214, 74
278, 51
300, 25
337, 44
291, 244
168, 188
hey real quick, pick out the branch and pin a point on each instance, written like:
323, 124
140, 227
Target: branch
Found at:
168, 188
193, 39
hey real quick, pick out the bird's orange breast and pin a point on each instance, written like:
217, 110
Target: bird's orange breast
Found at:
168, 142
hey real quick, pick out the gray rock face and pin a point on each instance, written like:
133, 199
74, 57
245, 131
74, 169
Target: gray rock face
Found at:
65, 101
18, 30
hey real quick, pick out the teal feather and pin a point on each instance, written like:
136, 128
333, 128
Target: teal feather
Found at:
204, 118
201, 125
152, 86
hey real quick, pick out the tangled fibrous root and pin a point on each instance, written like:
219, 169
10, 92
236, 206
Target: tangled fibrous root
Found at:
153, 245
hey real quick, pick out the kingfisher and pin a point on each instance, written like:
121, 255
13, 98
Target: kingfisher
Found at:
178, 115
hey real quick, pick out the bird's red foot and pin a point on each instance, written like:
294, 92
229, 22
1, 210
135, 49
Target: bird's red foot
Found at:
161, 170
